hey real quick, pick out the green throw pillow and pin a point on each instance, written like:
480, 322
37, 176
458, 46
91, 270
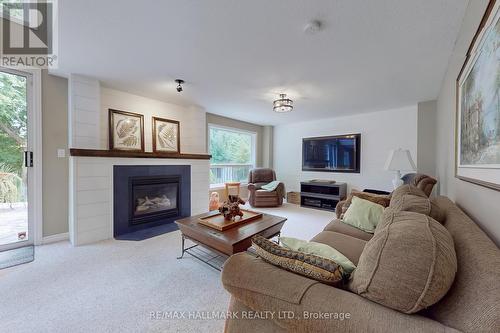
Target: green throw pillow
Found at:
363, 214
319, 249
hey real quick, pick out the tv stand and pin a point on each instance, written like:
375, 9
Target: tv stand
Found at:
322, 195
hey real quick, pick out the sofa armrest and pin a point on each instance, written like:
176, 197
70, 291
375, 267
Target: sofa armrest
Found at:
312, 306
338, 208
252, 187
280, 189
263, 278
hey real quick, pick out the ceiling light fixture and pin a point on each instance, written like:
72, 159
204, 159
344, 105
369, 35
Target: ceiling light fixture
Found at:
313, 27
179, 82
283, 104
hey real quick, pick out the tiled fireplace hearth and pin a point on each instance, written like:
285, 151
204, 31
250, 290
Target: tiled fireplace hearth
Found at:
147, 196
94, 188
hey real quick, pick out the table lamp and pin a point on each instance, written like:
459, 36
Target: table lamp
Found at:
399, 160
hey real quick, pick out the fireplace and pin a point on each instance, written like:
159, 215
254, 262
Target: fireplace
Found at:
153, 198
149, 196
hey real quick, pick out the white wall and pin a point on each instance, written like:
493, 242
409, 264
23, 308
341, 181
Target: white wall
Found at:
480, 203
55, 169
83, 116
426, 144
380, 132
192, 119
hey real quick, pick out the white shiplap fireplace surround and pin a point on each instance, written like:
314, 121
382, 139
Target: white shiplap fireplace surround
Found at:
91, 177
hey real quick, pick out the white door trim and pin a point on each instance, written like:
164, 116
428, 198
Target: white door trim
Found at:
38, 148
35, 192
55, 238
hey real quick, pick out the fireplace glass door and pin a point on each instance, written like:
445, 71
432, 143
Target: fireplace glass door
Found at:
153, 198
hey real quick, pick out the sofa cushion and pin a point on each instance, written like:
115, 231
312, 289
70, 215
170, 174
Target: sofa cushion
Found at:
260, 286
349, 246
318, 249
437, 213
412, 199
398, 193
408, 265
346, 229
309, 265
363, 214
412, 203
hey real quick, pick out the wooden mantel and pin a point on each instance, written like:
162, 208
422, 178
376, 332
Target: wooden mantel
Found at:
132, 154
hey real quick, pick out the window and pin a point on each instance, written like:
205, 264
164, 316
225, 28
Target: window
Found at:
16, 11
233, 154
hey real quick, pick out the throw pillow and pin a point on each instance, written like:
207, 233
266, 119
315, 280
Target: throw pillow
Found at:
383, 200
363, 214
408, 265
309, 265
318, 249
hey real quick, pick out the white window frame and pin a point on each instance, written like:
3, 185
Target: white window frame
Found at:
24, 21
254, 143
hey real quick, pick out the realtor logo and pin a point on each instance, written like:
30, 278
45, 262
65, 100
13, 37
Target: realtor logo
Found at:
28, 34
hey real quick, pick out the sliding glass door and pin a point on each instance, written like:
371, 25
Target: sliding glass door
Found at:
16, 159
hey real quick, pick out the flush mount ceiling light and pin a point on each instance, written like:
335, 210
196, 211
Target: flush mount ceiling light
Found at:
283, 104
313, 27
179, 84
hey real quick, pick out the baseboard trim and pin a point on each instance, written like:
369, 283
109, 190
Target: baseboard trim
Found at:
55, 238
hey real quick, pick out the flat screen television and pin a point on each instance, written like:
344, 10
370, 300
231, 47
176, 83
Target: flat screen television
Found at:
340, 153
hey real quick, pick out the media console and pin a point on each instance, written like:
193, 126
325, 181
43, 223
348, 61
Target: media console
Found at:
322, 195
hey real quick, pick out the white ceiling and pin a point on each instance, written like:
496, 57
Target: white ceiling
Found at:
236, 55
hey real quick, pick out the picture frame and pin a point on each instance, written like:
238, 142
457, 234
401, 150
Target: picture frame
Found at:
477, 125
126, 131
166, 135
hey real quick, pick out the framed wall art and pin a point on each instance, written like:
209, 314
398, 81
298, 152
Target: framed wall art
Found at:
166, 136
478, 106
126, 131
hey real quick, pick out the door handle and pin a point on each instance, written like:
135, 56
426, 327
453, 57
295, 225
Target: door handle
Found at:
28, 159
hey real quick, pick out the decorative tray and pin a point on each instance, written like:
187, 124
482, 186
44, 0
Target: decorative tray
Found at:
217, 221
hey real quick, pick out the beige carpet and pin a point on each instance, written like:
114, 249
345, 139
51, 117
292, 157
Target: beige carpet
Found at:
113, 286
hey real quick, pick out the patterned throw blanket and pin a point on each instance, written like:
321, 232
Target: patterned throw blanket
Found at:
274, 186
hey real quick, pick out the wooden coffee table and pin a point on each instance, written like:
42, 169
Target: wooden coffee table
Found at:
231, 241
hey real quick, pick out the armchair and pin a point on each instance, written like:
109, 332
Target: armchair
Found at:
262, 198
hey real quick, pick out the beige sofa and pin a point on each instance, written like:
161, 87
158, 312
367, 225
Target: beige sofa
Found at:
471, 305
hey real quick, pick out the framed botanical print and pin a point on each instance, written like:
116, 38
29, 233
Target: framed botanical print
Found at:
478, 106
126, 131
166, 136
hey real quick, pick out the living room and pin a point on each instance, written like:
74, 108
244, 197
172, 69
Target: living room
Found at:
286, 166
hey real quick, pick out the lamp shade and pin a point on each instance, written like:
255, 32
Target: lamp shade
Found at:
400, 159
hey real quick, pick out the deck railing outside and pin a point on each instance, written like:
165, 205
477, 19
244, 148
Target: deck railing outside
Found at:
229, 172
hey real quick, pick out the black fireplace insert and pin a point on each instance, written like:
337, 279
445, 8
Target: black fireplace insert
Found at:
153, 198
149, 196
